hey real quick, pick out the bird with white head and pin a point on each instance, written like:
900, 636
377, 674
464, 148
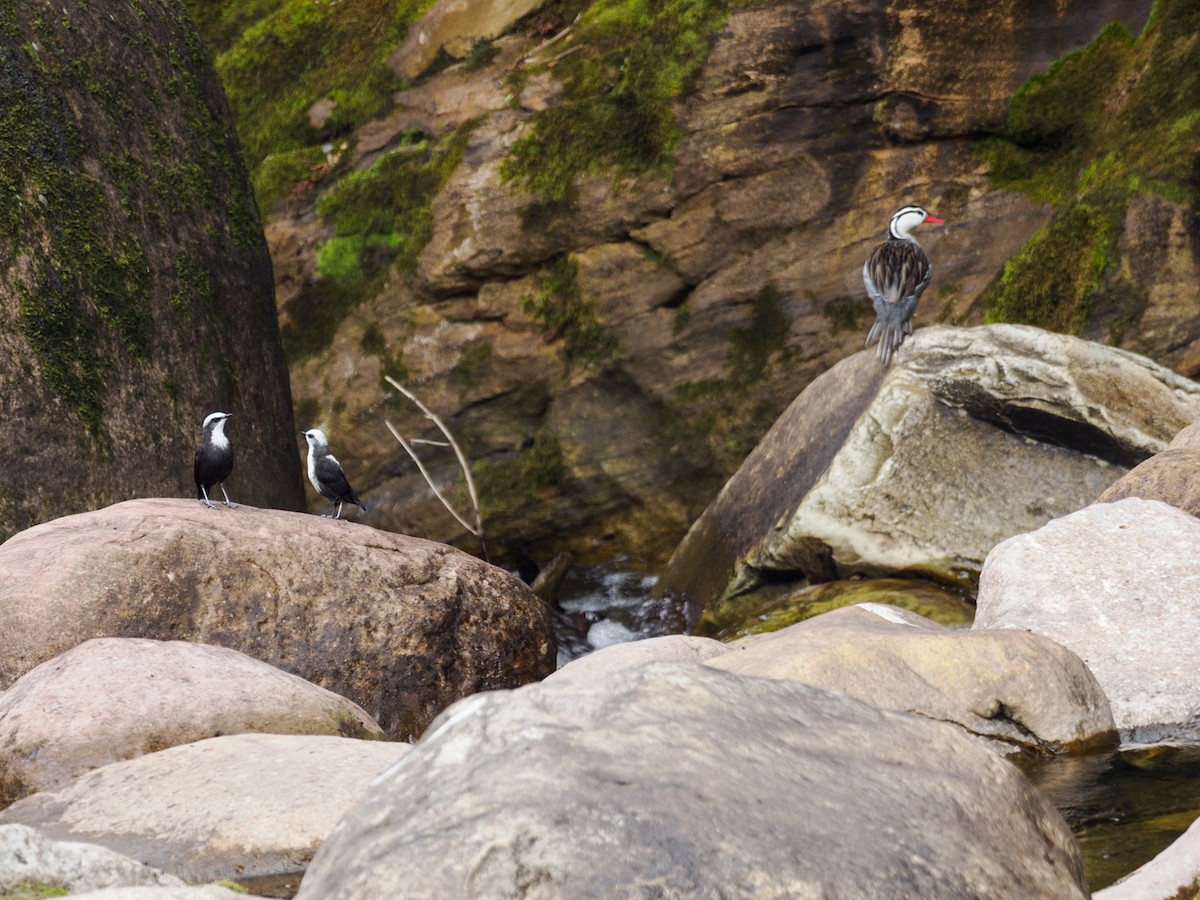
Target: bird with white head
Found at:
213, 462
326, 475
895, 274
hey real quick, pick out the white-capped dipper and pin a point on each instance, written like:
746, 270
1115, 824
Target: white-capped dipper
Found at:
214, 459
326, 475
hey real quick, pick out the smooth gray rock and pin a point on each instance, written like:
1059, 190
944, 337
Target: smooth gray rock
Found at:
111, 699
238, 806
678, 780
1119, 584
28, 855
1020, 690
971, 436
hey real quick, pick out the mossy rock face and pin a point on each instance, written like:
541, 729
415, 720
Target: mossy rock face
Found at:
135, 286
772, 608
1101, 132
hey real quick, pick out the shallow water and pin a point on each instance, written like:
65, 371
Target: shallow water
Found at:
1124, 806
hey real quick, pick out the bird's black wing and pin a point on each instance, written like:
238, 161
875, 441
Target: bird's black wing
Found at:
334, 485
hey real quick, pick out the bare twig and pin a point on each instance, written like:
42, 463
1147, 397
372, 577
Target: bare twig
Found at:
428, 478
542, 46
462, 462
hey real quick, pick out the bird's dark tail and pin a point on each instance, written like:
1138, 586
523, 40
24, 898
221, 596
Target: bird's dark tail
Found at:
890, 336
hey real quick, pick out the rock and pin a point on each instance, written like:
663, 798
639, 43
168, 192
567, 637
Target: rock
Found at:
453, 26
201, 892
135, 287
27, 856
707, 782
971, 436
401, 626
806, 127
1172, 476
1019, 690
1117, 583
1173, 873
668, 648
110, 699
237, 806
772, 607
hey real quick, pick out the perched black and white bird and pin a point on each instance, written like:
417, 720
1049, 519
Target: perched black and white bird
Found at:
214, 459
895, 274
326, 475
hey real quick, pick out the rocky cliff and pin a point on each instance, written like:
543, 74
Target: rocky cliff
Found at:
608, 243
135, 285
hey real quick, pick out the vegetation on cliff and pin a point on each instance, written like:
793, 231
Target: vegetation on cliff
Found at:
636, 58
277, 58
1118, 118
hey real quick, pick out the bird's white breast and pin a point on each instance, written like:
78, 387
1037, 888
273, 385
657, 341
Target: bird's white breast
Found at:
218, 436
312, 470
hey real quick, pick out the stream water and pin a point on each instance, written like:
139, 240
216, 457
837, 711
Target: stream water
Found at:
1124, 806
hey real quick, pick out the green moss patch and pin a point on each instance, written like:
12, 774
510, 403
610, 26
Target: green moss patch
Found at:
381, 219
507, 486
561, 308
627, 62
278, 57
1115, 119
96, 163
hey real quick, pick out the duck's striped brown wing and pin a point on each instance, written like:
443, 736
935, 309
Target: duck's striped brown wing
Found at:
895, 274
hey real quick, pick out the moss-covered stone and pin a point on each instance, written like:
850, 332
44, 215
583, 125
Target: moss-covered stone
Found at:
278, 57
561, 308
636, 57
506, 486
130, 244
1117, 118
381, 219
777, 606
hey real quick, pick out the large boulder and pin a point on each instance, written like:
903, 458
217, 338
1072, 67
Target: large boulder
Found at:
28, 856
401, 626
111, 699
1119, 584
1172, 476
971, 436
238, 806
679, 780
135, 284
1019, 690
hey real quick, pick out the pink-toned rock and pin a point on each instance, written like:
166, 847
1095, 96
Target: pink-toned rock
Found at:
239, 806
111, 699
1020, 690
399, 625
670, 648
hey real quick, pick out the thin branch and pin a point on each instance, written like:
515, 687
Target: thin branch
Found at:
462, 462
428, 478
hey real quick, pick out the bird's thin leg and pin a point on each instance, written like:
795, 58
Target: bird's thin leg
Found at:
207, 502
339, 511
228, 502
